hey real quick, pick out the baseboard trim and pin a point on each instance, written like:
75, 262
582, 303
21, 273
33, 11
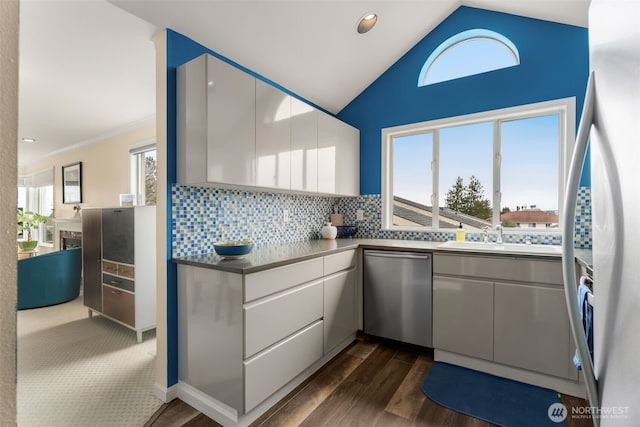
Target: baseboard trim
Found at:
565, 386
228, 416
165, 394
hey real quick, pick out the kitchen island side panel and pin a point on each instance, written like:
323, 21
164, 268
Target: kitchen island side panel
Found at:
210, 333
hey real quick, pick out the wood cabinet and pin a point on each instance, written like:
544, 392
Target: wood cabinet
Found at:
92, 258
236, 130
119, 281
504, 309
244, 337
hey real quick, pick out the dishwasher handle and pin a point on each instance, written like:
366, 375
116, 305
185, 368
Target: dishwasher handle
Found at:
395, 254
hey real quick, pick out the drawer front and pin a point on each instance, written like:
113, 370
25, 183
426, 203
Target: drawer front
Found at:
118, 304
109, 267
263, 283
497, 268
118, 282
127, 271
340, 261
269, 320
265, 373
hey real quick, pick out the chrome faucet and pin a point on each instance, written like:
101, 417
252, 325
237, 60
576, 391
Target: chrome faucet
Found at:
499, 235
485, 234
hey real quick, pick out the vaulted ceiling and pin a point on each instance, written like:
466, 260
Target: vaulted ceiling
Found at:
87, 67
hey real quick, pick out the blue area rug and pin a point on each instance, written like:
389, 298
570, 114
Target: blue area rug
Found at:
494, 399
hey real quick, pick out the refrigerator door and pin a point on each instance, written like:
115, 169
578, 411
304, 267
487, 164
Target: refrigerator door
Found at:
614, 39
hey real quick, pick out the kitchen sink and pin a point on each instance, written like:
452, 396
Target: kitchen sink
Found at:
503, 247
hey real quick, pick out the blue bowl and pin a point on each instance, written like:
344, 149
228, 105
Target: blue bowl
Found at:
346, 230
233, 251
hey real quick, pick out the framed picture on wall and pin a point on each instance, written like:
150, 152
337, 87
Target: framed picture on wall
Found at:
72, 183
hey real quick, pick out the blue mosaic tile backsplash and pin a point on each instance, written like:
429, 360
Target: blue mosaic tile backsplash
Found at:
204, 215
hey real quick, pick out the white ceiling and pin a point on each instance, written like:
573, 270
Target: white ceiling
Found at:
87, 67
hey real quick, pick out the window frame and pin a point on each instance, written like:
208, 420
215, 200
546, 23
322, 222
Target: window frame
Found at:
465, 36
137, 173
564, 107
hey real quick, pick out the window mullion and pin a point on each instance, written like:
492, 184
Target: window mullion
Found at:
497, 162
435, 197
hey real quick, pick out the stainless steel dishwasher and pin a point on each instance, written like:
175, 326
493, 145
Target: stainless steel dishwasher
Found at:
397, 296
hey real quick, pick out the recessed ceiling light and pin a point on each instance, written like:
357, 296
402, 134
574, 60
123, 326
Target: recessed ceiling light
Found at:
367, 22
28, 140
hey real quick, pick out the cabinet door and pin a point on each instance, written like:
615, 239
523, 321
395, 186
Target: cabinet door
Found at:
339, 308
304, 146
269, 320
463, 316
531, 328
92, 257
265, 373
338, 157
118, 235
273, 137
231, 124
119, 305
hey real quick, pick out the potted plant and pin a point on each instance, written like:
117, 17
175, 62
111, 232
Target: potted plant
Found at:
27, 222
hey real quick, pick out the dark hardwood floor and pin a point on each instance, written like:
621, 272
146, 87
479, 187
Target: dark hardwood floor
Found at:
371, 383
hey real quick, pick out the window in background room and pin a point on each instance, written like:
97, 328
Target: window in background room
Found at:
468, 53
505, 166
143, 174
35, 193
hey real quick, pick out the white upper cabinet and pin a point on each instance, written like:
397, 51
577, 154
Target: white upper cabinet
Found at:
231, 124
338, 157
273, 137
216, 123
237, 130
304, 146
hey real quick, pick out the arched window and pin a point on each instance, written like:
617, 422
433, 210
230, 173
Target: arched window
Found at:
468, 53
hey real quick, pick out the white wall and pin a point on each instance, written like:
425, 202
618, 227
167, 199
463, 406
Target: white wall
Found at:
9, 11
160, 41
105, 169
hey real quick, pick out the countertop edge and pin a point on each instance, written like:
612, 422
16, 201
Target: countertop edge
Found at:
316, 248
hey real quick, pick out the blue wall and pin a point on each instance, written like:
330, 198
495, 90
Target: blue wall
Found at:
554, 63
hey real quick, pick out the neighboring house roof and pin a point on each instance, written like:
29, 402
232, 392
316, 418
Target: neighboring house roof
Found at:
530, 216
421, 214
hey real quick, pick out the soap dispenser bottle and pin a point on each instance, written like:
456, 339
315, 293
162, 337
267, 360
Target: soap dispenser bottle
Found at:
460, 234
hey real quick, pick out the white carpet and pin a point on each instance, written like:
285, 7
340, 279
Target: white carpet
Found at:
76, 371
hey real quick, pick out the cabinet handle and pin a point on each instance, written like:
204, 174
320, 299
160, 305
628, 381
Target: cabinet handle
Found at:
114, 282
116, 292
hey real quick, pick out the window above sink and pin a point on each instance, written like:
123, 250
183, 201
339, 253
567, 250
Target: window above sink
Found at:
504, 166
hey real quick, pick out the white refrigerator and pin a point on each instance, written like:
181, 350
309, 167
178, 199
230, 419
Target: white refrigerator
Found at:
614, 43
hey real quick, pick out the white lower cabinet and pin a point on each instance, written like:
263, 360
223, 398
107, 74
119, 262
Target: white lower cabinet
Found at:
268, 371
531, 328
339, 308
510, 311
243, 337
272, 319
463, 316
